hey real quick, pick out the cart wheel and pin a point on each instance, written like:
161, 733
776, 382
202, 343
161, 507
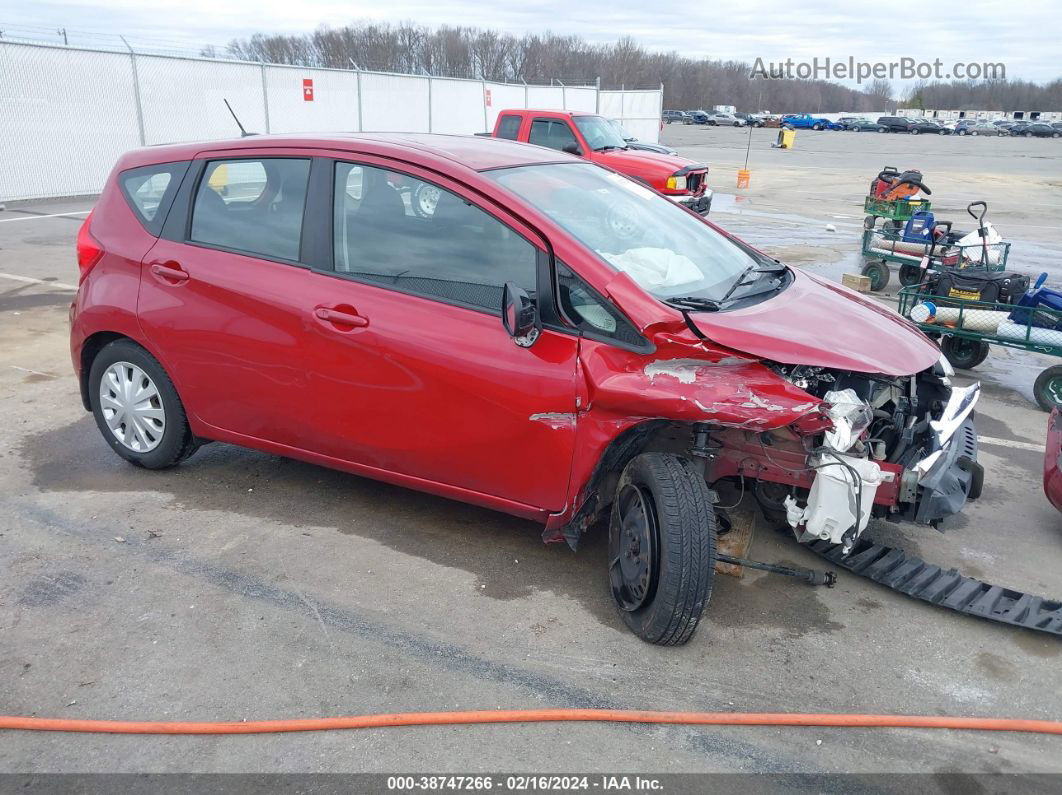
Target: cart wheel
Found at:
966, 354
1048, 388
910, 274
878, 272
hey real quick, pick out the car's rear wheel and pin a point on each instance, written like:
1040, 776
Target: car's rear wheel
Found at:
661, 548
137, 408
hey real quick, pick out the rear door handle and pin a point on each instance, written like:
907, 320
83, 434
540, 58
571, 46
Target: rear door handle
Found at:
170, 272
339, 317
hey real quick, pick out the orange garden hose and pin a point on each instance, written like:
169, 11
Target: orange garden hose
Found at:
531, 716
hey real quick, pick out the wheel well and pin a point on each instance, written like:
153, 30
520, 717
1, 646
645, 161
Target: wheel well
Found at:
651, 436
89, 351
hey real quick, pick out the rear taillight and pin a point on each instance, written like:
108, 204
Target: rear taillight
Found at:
89, 250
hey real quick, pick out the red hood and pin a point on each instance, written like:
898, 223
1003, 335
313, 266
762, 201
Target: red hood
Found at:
823, 324
630, 161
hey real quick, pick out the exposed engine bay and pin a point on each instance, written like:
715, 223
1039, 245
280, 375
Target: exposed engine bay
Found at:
881, 446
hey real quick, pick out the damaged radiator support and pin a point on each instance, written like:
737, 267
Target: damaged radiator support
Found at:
912, 576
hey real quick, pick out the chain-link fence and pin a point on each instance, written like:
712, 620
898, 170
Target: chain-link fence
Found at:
68, 113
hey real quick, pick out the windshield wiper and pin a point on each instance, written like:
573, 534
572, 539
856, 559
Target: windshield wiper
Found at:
743, 278
606, 147
694, 302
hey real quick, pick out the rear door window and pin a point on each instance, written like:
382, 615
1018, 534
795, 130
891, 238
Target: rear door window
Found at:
252, 206
509, 127
150, 190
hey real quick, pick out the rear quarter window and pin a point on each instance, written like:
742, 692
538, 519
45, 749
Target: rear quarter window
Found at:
509, 127
149, 190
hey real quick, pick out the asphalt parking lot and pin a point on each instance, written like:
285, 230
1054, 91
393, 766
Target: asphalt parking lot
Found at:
242, 585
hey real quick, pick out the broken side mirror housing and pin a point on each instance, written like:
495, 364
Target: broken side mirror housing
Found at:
519, 315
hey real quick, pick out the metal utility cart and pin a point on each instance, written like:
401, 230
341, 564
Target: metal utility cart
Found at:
966, 329
888, 243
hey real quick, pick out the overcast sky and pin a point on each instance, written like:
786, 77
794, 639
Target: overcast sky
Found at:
1025, 35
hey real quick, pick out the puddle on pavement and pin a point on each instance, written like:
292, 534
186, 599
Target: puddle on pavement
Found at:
505, 554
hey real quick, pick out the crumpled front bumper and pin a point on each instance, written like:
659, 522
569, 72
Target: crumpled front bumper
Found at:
699, 204
939, 485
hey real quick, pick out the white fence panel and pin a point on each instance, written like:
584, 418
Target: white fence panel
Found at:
637, 111
457, 106
65, 117
66, 114
333, 107
394, 103
584, 99
545, 97
184, 99
503, 97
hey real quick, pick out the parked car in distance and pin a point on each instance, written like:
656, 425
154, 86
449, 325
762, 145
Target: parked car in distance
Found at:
979, 128
844, 121
697, 117
893, 124
862, 125
1037, 130
670, 116
751, 119
920, 126
804, 121
555, 341
1057, 125
594, 138
720, 118
634, 143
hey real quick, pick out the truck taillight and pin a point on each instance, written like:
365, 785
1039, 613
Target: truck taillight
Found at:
89, 250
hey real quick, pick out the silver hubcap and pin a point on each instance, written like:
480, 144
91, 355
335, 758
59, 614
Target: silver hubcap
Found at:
132, 407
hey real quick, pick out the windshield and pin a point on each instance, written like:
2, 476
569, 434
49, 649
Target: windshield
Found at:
626, 136
599, 133
664, 248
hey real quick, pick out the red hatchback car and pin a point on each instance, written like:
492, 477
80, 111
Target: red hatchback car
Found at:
553, 340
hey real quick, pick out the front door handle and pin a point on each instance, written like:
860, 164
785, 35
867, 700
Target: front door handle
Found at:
341, 317
169, 272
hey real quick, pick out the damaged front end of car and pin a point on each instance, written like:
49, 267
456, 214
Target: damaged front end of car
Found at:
896, 448
823, 450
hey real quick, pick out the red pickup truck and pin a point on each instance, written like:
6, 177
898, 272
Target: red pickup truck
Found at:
593, 137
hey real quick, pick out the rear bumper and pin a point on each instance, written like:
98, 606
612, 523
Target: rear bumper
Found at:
699, 204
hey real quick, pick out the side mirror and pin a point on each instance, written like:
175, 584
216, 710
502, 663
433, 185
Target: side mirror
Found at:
519, 315
572, 149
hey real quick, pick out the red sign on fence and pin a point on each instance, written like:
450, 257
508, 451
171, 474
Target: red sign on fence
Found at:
307, 89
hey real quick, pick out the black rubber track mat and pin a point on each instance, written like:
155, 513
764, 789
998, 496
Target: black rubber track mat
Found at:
909, 575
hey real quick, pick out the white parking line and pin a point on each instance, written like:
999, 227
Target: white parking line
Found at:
1039, 448
45, 282
38, 217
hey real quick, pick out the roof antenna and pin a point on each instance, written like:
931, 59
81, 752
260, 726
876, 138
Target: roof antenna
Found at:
243, 132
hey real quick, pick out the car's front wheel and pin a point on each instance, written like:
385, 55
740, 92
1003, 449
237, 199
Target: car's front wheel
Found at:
661, 548
137, 408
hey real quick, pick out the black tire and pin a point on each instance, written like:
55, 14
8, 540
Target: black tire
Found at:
914, 131
962, 131
177, 442
1028, 135
883, 129
661, 598
964, 353
910, 274
878, 271
1048, 388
